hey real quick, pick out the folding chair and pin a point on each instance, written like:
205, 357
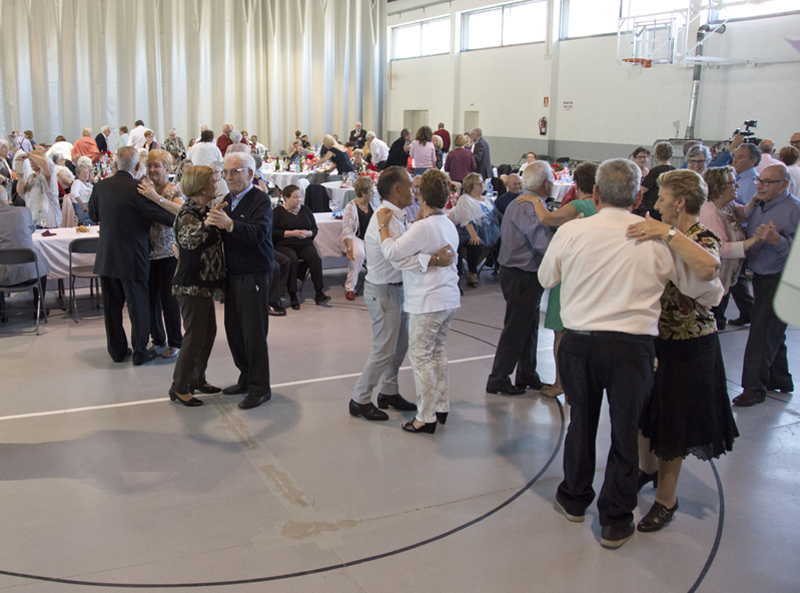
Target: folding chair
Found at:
11, 257
83, 245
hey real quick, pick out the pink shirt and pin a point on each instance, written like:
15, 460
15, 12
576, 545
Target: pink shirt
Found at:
424, 156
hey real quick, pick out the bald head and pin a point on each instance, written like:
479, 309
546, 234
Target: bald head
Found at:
772, 182
767, 146
514, 183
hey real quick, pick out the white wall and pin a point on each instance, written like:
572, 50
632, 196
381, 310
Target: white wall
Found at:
610, 114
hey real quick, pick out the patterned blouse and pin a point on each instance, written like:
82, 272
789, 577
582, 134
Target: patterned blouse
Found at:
682, 318
201, 266
161, 236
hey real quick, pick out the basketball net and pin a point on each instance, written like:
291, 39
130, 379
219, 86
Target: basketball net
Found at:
634, 67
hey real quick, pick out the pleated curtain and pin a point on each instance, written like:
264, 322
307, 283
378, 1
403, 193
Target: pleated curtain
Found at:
267, 66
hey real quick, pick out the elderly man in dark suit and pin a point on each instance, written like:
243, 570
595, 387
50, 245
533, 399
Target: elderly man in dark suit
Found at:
16, 228
358, 136
247, 222
123, 255
480, 150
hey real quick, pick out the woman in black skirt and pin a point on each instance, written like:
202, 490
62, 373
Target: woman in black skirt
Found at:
689, 410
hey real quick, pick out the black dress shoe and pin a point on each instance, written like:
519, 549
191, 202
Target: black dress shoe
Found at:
441, 417
740, 321
428, 427
253, 400
722, 324
124, 357
749, 398
276, 311
205, 388
321, 297
611, 537
149, 356
368, 411
657, 517
645, 479
507, 390
782, 387
398, 402
295, 305
235, 389
189, 403
536, 385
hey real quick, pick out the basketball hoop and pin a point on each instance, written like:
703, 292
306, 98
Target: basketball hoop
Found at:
635, 66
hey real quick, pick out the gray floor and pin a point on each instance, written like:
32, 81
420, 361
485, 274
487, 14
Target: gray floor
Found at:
103, 480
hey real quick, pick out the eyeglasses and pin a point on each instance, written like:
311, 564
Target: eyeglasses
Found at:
795, 143
696, 161
229, 172
768, 181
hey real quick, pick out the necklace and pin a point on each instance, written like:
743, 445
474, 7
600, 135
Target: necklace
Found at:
435, 213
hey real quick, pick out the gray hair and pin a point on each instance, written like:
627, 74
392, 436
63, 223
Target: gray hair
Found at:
235, 136
370, 136
3, 142
12, 141
127, 158
536, 174
618, 182
84, 160
755, 151
477, 131
258, 161
82, 166
245, 158
105, 129
698, 150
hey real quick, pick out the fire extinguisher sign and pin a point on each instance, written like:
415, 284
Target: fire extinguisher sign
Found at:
567, 105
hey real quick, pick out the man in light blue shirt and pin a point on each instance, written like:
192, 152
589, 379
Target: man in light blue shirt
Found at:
774, 222
745, 160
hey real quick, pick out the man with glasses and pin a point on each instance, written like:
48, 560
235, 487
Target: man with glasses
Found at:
247, 224
774, 221
795, 140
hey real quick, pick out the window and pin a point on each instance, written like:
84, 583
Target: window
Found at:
640, 7
512, 24
755, 10
426, 38
591, 17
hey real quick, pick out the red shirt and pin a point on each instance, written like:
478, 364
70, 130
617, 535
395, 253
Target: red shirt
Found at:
223, 142
445, 136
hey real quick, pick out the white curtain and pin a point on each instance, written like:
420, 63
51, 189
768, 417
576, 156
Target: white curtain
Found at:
265, 66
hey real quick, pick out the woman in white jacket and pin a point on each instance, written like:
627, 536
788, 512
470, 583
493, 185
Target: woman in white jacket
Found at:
431, 299
356, 217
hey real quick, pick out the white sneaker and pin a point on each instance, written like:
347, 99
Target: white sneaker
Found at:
170, 352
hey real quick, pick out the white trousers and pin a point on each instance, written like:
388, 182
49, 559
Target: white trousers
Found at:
354, 265
426, 335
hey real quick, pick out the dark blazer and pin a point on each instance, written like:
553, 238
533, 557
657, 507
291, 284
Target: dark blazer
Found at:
248, 248
125, 217
16, 228
100, 140
358, 138
397, 154
483, 158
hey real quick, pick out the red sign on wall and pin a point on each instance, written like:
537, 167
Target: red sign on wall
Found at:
547, 101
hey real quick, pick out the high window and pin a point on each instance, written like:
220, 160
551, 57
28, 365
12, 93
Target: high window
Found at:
510, 24
755, 10
425, 38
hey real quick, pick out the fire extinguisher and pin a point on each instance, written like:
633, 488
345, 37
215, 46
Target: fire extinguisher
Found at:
543, 126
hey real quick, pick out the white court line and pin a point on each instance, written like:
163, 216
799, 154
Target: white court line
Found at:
163, 399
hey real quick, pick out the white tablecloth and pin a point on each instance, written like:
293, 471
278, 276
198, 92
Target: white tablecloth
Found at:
55, 250
560, 190
337, 193
327, 239
281, 180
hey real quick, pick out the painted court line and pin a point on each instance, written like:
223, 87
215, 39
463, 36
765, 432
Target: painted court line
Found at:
163, 399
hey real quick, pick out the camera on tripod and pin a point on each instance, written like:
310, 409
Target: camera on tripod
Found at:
750, 123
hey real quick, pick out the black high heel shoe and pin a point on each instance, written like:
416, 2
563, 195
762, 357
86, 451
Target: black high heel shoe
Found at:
191, 403
657, 517
428, 427
645, 479
295, 304
205, 388
441, 417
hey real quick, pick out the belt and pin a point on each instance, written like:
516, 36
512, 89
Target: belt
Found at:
387, 284
608, 334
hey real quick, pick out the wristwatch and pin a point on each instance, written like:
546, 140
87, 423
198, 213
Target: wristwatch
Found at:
672, 232
161, 200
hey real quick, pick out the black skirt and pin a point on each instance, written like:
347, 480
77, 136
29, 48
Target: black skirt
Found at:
689, 410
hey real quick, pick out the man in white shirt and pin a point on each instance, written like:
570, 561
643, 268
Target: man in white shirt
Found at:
378, 149
383, 295
611, 287
136, 137
767, 147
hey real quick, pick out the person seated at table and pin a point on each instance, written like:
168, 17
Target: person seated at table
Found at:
335, 153
297, 151
80, 193
437, 144
293, 230
39, 188
359, 164
356, 217
150, 141
478, 223
62, 173
16, 228
460, 161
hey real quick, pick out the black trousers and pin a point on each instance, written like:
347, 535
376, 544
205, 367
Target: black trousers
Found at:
163, 303
200, 329
312, 259
520, 335
116, 293
622, 365
246, 326
741, 296
765, 361
280, 277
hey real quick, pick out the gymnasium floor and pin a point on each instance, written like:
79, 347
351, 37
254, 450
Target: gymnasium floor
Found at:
104, 482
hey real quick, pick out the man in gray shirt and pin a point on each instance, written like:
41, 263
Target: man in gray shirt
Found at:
524, 241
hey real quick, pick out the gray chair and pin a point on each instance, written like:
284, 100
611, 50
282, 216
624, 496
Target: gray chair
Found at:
10, 257
82, 245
